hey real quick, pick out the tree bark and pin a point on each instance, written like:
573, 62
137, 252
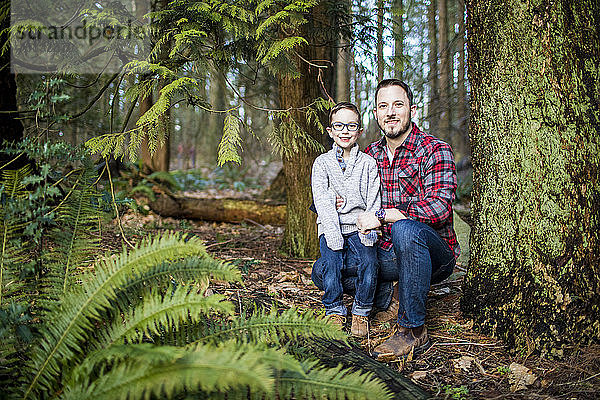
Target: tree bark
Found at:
380, 60
220, 210
443, 130
300, 238
533, 278
432, 110
462, 111
216, 120
398, 12
343, 71
160, 158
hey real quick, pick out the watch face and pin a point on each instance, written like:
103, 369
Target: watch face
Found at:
380, 214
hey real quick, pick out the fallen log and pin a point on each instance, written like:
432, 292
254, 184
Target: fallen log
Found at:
219, 210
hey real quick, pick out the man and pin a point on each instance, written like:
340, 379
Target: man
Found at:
418, 246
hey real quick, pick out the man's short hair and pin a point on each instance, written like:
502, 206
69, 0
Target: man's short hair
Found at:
342, 105
395, 82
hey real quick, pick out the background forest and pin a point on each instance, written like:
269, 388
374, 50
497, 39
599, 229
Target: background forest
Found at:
229, 99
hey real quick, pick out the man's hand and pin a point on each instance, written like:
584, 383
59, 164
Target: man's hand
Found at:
366, 222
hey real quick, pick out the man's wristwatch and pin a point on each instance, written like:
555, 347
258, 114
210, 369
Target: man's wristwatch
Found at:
380, 214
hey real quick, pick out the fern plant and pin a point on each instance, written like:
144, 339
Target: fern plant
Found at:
141, 325
12, 221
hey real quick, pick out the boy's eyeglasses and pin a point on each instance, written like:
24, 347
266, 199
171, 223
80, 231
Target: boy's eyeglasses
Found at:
351, 126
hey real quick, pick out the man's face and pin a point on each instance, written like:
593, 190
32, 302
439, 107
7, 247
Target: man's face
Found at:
392, 112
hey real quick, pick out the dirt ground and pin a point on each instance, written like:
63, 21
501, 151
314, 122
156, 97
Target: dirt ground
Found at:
460, 364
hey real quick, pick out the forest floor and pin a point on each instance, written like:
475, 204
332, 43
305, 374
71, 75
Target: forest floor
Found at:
460, 364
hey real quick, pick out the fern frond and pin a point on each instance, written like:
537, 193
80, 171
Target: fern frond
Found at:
271, 327
12, 191
230, 142
77, 218
72, 322
203, 368
331, 383
161, 312
196, 269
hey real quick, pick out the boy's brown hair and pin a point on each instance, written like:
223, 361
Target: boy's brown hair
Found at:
345, 104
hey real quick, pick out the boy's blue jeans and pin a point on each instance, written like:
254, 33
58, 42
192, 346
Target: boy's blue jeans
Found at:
419, 257
363, 261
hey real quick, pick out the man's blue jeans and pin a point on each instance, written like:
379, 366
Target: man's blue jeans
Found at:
419, 257
333, 263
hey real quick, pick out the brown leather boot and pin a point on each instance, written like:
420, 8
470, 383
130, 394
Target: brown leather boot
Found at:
360, 326
401, 343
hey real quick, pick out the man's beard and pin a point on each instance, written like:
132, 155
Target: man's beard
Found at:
393, 135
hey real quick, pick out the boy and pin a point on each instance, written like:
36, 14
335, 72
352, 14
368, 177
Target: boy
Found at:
351, 174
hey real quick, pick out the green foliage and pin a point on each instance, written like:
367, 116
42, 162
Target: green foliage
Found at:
288, 137
229, 176
12, 193
98, 342
230, 142
457, 393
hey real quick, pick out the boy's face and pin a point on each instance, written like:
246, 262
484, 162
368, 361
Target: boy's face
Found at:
346, 136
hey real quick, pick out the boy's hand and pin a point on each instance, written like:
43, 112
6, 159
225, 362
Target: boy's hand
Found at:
366, 222
339, 202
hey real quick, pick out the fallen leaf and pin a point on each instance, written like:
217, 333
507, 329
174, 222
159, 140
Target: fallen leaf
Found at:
463, 363
289, 276
418, 375
520, 377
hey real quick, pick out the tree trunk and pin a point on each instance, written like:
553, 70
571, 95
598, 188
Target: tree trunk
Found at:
216, 120
443, 130
533, 279
342, 71
11, 129
159, 159
432, 110
398, 12
380, 60
300, 238
462, 112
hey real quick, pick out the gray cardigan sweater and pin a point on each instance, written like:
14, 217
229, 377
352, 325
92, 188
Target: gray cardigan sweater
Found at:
359, 186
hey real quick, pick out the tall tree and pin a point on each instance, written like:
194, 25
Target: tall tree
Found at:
533, 278
218, 102
432, 60
380, 60
11, 129
462, 103
154, 159
342, 84
398, 24
443, 130
295, 93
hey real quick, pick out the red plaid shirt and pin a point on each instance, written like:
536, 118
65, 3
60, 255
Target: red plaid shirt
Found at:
420, 182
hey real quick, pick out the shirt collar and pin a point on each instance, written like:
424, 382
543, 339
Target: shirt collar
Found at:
339, 151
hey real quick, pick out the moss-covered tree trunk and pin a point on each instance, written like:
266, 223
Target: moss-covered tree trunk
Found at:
534, 276
300, 238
